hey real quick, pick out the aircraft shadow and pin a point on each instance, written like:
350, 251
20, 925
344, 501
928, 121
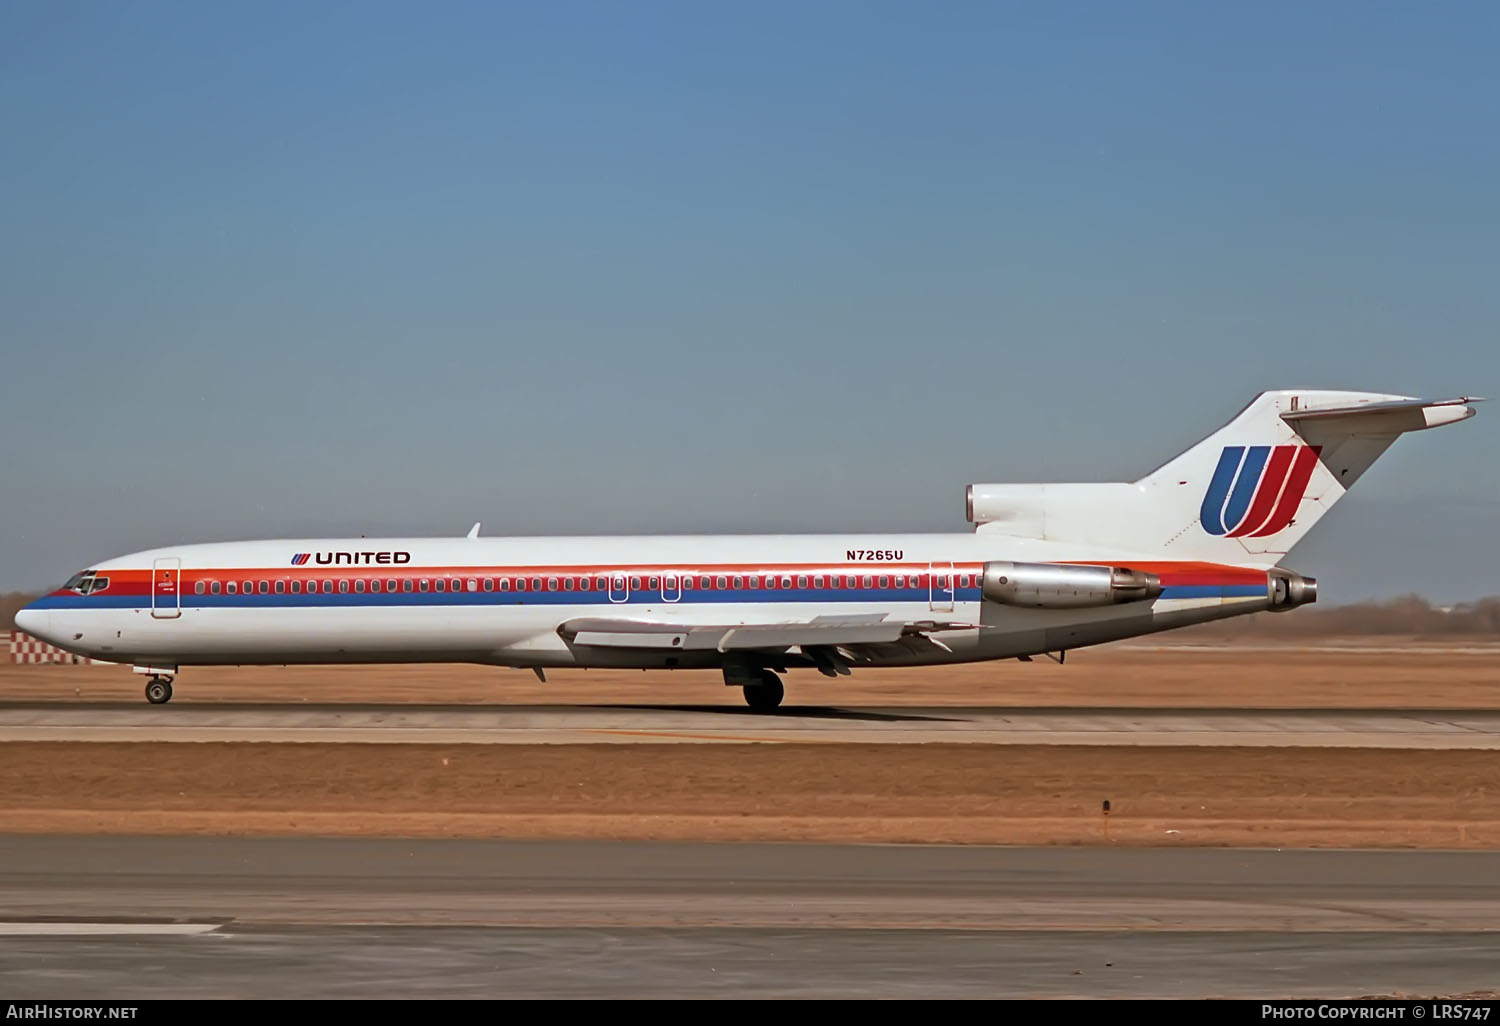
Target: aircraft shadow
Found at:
498, 709
813, 712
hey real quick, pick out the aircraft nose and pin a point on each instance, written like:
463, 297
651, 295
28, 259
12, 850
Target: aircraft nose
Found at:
36, 622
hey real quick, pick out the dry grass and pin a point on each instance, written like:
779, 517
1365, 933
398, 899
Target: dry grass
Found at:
960, 794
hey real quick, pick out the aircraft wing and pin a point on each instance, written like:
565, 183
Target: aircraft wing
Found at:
831, 642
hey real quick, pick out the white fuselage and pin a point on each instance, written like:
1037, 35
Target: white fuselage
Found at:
503, 601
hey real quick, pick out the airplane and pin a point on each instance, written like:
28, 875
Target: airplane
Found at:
1046, 568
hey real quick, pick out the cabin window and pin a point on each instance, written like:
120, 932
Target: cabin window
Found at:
688, 582
359, 586
786, 582
802, 580
867, 582
280, 587
584, 583
654, 584
344, 587
214, 587
265, 587
900, 580
552, 584
721, 582
600, 584
568, 584
406, 584
505, 584
296, 587
817, 580
327, 587
705, 582
375, 584
737, 583
489, 584
198, 588
424, 584
312, 587
635, 584
232, 588
885, 582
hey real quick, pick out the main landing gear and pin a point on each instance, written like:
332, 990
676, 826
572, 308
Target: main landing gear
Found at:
159, 690
766, 694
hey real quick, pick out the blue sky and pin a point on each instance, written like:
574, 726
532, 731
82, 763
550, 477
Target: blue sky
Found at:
291, 269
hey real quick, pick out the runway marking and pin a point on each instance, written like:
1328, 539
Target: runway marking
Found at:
83, 928
691, 737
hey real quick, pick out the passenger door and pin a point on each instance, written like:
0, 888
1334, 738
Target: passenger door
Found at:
166, 588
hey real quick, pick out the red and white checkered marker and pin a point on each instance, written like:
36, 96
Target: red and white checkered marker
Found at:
26, 649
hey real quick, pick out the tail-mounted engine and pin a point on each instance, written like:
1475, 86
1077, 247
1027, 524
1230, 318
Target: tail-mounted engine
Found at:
1066, 586
1289, 590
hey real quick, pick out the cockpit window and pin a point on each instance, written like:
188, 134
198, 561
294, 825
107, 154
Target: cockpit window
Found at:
86, 583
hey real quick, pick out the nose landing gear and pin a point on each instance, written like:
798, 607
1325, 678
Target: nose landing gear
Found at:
159, 690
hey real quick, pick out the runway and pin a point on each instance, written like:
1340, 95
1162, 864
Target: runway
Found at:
212, 917
707, 724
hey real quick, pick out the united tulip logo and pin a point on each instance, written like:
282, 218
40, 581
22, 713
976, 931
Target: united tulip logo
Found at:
1256, 489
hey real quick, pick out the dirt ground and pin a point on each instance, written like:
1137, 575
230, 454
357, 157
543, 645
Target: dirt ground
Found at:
1392, 676
962, 794
1291, 797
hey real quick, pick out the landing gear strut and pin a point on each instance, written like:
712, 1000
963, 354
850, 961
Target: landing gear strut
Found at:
159, 690
765, 695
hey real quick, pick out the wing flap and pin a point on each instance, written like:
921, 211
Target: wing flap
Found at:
826, 633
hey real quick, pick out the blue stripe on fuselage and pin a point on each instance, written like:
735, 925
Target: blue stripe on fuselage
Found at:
578, 598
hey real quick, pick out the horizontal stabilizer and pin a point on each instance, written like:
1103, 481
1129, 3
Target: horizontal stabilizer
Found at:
1433, 412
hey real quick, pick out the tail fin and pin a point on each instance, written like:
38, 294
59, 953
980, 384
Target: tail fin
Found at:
1245, 494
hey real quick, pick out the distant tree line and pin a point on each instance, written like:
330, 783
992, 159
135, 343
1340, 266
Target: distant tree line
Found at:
1410, 615
9, 603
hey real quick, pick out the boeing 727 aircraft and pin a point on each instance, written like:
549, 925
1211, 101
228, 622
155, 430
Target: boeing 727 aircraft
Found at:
1047, 568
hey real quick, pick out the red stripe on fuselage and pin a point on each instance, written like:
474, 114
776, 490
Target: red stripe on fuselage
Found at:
141, 582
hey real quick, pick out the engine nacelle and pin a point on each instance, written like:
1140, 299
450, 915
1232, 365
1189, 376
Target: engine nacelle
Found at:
1066, 585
